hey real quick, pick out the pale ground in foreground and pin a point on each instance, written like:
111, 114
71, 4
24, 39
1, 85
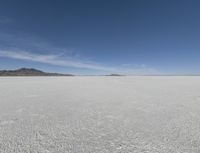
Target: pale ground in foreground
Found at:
100, 114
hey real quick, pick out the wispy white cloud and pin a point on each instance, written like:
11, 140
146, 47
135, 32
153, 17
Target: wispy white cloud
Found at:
58, 60
37, 50
50, 59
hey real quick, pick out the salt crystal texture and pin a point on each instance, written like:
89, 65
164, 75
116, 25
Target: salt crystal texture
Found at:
154, 114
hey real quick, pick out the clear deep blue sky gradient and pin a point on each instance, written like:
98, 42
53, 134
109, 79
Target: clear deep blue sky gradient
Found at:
101, 36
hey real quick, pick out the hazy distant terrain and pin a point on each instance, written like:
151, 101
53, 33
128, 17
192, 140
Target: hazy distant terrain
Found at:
100, 114
29, 72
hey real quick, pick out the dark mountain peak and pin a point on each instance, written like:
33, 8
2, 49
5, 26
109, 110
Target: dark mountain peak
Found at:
24, 69
115, 75
29, 72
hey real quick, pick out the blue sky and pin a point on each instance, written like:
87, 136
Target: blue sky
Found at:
101, 37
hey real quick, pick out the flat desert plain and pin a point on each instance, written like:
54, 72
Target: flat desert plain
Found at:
149, 114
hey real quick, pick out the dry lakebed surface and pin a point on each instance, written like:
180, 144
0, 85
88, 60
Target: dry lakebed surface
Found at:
141, 114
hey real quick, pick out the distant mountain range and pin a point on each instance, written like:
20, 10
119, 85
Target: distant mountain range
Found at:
115, 75
29, 72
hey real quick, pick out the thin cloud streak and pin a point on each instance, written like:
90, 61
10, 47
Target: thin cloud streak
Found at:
16, 47
58, 60
51, 59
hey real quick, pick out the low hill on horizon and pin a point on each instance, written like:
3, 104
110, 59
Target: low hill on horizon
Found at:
29, 72
115, 75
